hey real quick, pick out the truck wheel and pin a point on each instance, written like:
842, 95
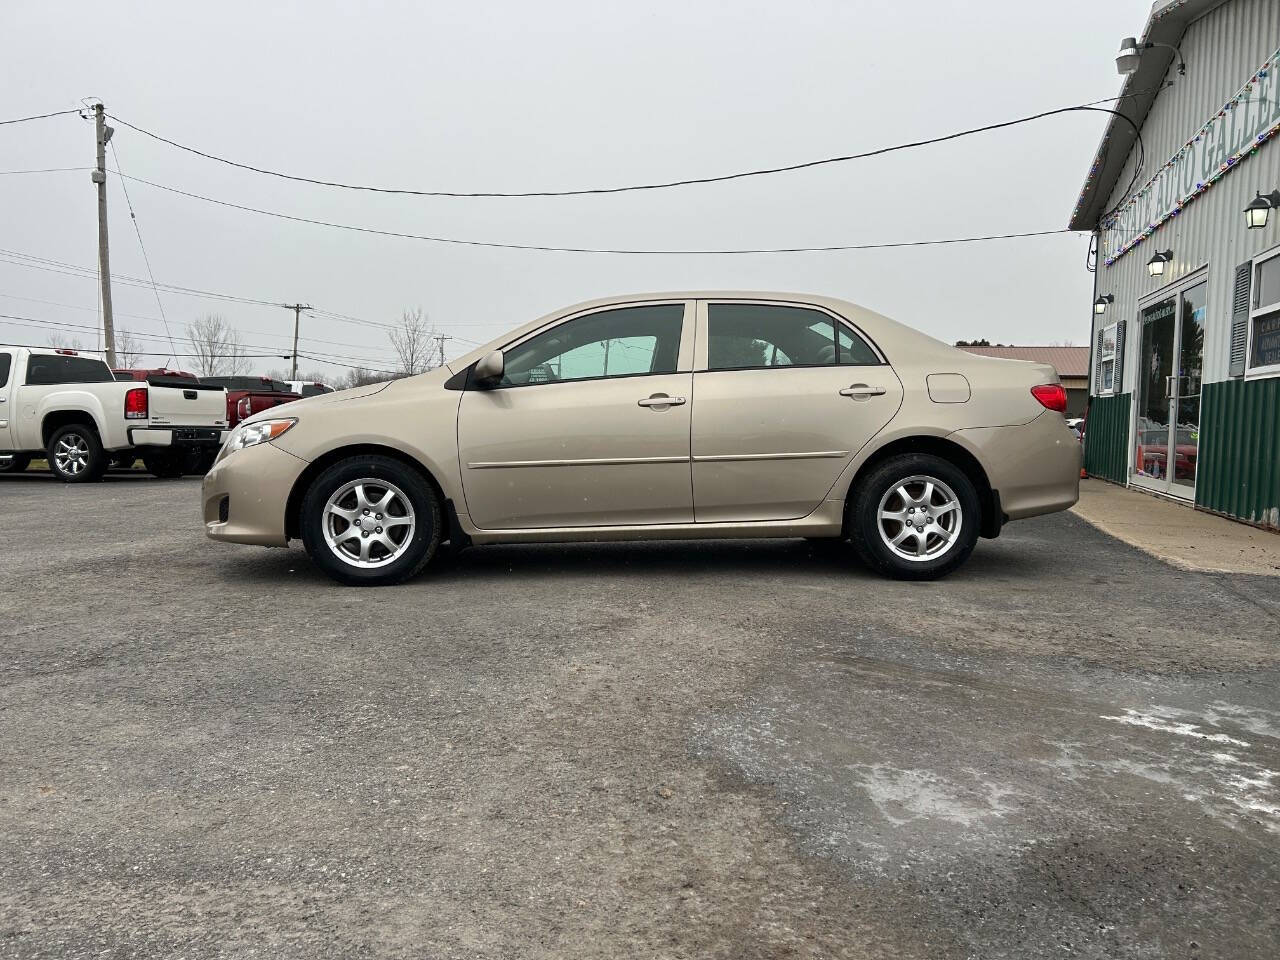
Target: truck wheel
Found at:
166, 465
76, 455
198, 460
16, 464
915, 517
370, 521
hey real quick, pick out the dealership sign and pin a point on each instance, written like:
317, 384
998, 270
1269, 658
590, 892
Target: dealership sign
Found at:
1244, 123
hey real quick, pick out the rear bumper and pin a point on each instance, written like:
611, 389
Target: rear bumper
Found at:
177, 436
1035, 466
245, 493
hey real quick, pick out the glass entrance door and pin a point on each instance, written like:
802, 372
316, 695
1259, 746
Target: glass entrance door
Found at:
1167, 431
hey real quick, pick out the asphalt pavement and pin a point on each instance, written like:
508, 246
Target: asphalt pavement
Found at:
728, 750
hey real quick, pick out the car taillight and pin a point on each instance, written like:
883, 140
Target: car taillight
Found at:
1052, 396
243, 408
135, 404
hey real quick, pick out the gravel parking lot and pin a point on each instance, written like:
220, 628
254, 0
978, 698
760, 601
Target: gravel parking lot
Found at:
727, 750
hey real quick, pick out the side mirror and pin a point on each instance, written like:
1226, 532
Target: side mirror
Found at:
489, 369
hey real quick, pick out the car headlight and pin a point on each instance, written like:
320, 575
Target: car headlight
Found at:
261, 431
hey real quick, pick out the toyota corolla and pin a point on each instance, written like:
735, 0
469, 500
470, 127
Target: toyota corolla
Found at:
667, 416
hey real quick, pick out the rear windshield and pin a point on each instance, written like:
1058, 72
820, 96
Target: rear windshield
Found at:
44, 369
315, 389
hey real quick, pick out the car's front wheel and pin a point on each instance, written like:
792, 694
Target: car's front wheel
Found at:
915, 517
370, 521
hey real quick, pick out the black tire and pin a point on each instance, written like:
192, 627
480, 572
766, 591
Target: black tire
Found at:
166, 465
198, 460
864, 520
91, 462
18, 464
414, 552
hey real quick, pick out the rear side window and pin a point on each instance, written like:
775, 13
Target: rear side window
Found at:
6, 362
748, 336
44, 369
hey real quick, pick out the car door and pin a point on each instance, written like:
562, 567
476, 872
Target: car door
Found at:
785, 394
589, 425
8, 407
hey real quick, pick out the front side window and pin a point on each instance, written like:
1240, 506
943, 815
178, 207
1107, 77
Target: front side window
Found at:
748, 336
624, 342
6, 361
44, 369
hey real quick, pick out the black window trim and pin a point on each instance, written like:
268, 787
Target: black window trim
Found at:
806, 305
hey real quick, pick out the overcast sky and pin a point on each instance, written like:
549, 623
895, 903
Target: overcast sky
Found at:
556, 95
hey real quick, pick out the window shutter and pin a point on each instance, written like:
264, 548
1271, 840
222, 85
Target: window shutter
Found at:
1240, 318
1097, 364
1119, 375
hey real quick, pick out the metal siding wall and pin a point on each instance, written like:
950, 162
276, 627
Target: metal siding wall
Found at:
1222, 50
1240, 451
1106, 438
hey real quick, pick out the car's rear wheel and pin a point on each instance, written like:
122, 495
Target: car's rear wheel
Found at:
915, 517
75, 454
370, 521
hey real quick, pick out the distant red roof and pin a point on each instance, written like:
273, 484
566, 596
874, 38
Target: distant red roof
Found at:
1068, 361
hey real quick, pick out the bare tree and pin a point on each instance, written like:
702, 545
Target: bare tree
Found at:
128, 349
414, 342
362, 376
217, 348
61, 341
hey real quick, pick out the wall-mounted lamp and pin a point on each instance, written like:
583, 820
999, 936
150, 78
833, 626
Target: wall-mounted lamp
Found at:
1100, 305
1155, 266
1130, 56
1258, 211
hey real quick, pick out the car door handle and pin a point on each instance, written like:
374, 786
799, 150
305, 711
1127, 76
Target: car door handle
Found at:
860, 391
661, 400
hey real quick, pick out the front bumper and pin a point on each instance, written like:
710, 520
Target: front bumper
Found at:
244, 495
177, 436
1034, 467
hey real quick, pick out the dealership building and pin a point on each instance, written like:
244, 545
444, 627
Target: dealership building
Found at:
1183, 200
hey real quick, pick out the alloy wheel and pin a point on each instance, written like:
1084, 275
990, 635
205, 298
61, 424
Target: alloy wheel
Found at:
71, 454
368, 523
919, 518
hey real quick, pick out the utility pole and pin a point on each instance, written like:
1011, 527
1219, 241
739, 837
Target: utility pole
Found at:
440, 338
297, 309
102, 134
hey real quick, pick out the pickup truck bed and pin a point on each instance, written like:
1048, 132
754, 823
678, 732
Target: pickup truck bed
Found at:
72, 410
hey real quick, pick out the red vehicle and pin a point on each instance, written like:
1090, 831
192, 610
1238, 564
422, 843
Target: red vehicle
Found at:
249, 395
143, 375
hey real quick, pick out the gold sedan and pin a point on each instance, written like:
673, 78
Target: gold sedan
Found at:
665, 416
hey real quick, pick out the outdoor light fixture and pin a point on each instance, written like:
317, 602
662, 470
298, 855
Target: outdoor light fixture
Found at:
1258, 211
1155, 266
1130, 56
1100, 305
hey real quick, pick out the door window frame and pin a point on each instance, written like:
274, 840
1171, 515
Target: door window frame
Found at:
1257, 311
700, 360
1170, 291
684, 355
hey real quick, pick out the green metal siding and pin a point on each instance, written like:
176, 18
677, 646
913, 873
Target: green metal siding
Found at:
1239, 470
1106, 438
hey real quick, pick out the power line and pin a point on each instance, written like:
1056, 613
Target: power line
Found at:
658, 185
38, 116
602, 250
14, 173
17, 320
140, 316
141, 246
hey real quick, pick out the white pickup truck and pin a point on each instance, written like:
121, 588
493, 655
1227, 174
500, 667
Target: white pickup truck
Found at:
71, 409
